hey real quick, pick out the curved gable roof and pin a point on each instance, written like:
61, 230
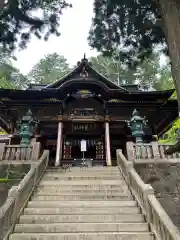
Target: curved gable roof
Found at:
84, 71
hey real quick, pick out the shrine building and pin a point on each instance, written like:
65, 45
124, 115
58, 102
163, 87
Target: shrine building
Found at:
84, 105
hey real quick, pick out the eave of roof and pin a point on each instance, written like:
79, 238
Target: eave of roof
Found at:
31, 94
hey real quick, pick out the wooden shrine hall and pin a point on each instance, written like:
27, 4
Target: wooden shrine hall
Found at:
86, 105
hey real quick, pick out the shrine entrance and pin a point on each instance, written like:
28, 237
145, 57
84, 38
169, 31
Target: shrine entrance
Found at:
72, 148
95, 144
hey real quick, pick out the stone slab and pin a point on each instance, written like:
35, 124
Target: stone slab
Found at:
79, 210
85, 169
132, 218
80, 197
75, 178
83, 204
83, 187
83, 227
83, 236
82, 183
82, 192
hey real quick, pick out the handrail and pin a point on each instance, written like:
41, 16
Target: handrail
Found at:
19, 195
160, 223
19, 152
149, 151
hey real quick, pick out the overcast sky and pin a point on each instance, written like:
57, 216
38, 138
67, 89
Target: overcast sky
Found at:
72, 43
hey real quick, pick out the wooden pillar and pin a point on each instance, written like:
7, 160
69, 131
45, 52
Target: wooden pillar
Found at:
107, 144
59, 144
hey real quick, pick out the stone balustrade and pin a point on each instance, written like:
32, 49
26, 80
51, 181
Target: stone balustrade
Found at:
19, 152
149, 151
159, 222
19, 195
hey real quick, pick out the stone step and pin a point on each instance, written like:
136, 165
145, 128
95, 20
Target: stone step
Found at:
54, 188
76, 191
83, 169
59, 177
133, 218
78, 210
87, 236
83, 183
84, 173
83, 227
79, 197
83, 204
55, 192
81, 174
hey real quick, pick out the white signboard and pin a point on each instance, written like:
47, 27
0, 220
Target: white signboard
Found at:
83, 145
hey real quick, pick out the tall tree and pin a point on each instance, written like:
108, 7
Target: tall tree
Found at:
134, 27
20, 19
148, 74
148, 71
164, 79
49, 69
113, 69
10, 77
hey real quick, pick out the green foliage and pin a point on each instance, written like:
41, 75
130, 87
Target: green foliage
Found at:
113, 69
4, 180
20, 19
130, 27
149, 74
12, 174
4, 83
49, 69
10, 77
171, 136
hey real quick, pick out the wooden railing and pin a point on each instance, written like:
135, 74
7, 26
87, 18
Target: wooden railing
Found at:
19, 152
159, 222
153, 150
19, 195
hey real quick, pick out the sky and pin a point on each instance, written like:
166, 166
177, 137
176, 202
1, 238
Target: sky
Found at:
72, 44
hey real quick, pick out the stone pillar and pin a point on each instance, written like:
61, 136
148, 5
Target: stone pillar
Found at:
59, 144
107, 144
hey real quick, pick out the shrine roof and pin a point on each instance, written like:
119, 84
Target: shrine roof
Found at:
85, 77
84, 71
45, 93
128, 87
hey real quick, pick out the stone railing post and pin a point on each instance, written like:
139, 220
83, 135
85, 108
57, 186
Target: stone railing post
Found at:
35, 151
13, 193
124, 165
130, 151
2, 148
148, 191
155, 148
34, 166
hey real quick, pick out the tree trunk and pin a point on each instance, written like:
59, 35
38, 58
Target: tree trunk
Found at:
170, 10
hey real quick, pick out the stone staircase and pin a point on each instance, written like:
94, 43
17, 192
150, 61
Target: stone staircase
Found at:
92, 203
